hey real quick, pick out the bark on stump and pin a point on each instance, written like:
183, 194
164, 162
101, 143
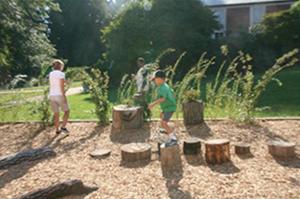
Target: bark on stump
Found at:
217, 151
127, 117
192, 112
136, 152
242, 148
170, 156
72, 187
191, 146
159, 143
281, 149
26, 156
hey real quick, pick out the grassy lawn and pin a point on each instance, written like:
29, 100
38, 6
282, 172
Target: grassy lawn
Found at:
283, 101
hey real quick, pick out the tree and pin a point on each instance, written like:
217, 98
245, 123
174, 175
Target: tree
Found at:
139, 29
76, 31
23, 36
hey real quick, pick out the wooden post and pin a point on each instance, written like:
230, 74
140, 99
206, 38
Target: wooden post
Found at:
127, 117
217, 151
159, 143
192, 112
281, 149
72, 187
191, 146
170, 156
242, 148
136, 152
26, 156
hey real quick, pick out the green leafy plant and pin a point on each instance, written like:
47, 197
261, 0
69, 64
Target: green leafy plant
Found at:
97, 86
192, 95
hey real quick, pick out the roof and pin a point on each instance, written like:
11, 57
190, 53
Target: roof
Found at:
239, 2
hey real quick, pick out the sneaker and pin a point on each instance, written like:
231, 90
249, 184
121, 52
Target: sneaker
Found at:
163, 131
64, 129
171, 142
57, 133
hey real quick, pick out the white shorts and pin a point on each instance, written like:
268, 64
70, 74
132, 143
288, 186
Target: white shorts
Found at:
56, 102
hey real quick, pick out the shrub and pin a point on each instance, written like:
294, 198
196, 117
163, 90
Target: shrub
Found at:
192, 95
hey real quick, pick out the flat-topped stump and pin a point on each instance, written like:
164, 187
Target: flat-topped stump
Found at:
159, 143
217, 151
100, 153
242, 148
127, 117
170, 156
136, 152
281, 149
191, 146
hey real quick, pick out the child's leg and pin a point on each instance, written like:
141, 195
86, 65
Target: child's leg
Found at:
164, 123
56, 121
65, 119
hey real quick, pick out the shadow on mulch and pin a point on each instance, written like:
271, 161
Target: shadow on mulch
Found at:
130, 135
195, 160
289, 162
201, 131
133, 165
245, 156
173, 177
226, 168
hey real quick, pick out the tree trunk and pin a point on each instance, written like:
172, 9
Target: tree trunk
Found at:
192, 112
191, 146
281, 149
26, 156
217, 151
170, 156
72, 187
136, 152
242, 148
127, 117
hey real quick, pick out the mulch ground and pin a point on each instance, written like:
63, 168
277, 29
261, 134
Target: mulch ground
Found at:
258, 175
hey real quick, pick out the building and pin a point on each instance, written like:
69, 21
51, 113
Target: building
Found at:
237, 14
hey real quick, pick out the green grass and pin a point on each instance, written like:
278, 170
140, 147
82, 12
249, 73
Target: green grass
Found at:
284, 101
4, 98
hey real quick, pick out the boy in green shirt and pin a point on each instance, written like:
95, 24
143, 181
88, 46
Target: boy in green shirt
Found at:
167, 103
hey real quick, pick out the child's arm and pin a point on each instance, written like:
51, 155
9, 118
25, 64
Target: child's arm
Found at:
156, 102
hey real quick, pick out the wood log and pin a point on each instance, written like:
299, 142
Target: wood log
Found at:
72, 187
217, 151
159, 143
282, 149
100, 153
127, 117
136, 152
193, 112
170, 156
26, 156
242, 148
191, 146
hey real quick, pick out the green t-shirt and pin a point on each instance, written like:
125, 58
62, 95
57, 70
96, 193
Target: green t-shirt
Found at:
169, 105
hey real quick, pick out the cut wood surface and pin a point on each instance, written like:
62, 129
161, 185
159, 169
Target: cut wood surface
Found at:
281, 149
170, 156
136, 152
217, 151
72, 187
127, 117
191, 146
26, 156
100, 152
242, 148
193, 112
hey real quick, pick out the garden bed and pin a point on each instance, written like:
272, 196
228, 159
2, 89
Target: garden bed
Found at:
258, 175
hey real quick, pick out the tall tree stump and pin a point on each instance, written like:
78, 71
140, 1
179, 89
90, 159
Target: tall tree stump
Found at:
72, 187
127, 117
136, 152
170, 156
26, 156
281, 149
191, 146
217, 151
192, 112
242, 148
159, 143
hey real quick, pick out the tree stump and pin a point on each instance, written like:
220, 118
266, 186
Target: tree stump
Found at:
72, 187
192, 112
159, 143
217, 151
127, 117
281, 149
242, 148
100, 153
170, 156
26, 156
136, 152
138, 99
191, 146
